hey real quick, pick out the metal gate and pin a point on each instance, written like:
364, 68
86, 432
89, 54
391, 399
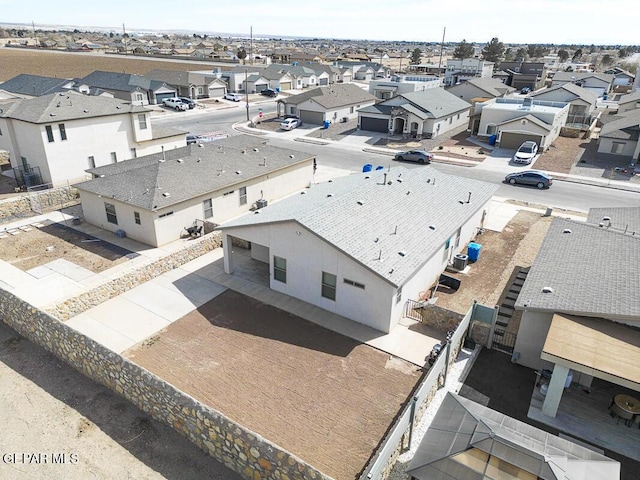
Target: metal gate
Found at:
503, 341
413, 310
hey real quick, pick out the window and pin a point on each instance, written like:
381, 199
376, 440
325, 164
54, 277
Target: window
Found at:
351, 109
280, 269
49, 133
114, 157
207, 205
617, 147
491, 129
293, 110
136, 217
399, 295
329, 281
134, 153
111, 213
167, 214
63, 132
138, 97
353, 283
243, 195
92, 161
200, 91
142, 121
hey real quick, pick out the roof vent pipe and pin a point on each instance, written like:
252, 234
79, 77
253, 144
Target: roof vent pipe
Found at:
163, 156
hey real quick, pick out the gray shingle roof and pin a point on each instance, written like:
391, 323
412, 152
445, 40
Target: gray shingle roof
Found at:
436, 102
334, 96
33, 85
58, 107
492, 86
573, 89
390, 218
623, 219
590, 270
143, 181
574, 76
626, 126
126, 82
624, 99
378, 108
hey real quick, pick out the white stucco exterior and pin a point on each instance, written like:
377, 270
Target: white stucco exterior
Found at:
459, 69
65, 160
165, 225
534, 327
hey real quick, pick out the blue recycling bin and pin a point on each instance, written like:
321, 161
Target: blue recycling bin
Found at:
473, 251
379, 167
492, 139
367, 167
326, 124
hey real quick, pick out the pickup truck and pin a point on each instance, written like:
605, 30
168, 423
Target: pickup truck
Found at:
174, 103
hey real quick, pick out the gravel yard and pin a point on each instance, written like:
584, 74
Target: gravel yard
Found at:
38, 246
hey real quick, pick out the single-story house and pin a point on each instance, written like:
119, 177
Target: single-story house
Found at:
598, 83
582, 101
623, 78
345, 246
236, 77
515, 120
278, 79
627, 102
54, 138
580, 306
428, 113
255, 83
525, 74
397, 85
333, 73
30, 86
127, 86
331, 103
480, 88
191, 84
466, 440
154, 198
618, 138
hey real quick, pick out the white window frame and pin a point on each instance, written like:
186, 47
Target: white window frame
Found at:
242, 192
207, 207
114, 157
142, 121
329, 290
280, 270
110, 211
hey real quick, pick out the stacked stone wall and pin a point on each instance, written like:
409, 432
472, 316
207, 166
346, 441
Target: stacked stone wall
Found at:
238, 448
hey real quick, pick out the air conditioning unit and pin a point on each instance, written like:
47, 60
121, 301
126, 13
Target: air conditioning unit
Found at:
344, 119
261, 203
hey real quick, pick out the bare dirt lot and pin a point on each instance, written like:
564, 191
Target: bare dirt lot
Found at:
39, 246
48, 408
563, 155
516, 246
15, 61
324, 397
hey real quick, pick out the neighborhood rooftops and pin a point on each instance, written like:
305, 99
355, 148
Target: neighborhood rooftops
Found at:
332, 96
33, 85
622, 219
125, 82
188, 172
58, 107
579, 92
391, 222
535, 106
625, 126
584, 269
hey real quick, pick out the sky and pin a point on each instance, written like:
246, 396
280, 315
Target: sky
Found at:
541, 21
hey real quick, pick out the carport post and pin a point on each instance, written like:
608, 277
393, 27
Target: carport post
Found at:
227, 250
554, 392
493, 326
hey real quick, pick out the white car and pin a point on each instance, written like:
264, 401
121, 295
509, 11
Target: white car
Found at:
234, 97
175, 103
526, 153
290, 123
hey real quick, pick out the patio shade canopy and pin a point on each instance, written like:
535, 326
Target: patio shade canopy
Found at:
595, 346
467, 441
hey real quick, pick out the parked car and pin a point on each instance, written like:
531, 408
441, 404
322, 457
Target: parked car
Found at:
419, 156
526, 153
530, 177
174, 103
525, 90
190, 103
234, 97
290, 123
269, 92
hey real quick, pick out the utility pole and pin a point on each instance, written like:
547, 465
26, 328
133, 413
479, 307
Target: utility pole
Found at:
124, 38
246, 90
35, 38
251, 44
441, 50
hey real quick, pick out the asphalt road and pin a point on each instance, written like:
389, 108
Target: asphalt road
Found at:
562, 194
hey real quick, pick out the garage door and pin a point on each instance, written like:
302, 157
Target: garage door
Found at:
161, 96
285, 86
374, 124
323, 81
216, 92
514, 140
262, 87
311, 117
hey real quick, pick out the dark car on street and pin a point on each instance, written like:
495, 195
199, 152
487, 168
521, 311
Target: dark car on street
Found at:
269, 92
530, 177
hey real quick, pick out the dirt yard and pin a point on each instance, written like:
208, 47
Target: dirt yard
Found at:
15, 61
324, 397
563, 155
516, 246
48, 408
38, 246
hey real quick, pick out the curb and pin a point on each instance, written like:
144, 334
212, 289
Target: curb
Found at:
626, 188
309, 140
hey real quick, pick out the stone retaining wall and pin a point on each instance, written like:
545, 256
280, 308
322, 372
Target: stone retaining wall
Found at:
440, 318
41, 200
86, 300
238, 448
